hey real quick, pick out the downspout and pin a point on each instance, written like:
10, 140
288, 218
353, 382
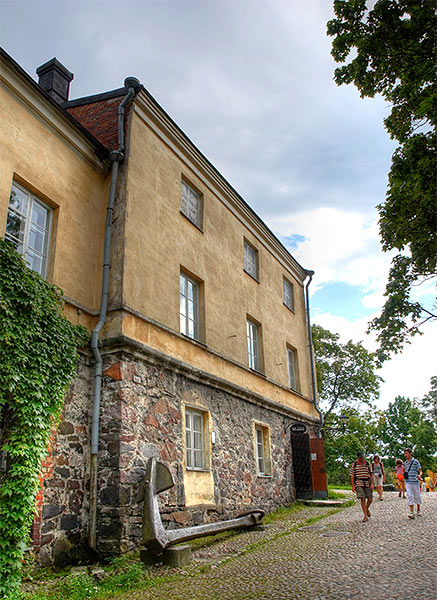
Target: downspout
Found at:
116, 157
310, 341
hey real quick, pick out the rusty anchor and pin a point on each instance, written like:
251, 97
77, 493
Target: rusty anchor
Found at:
155, 538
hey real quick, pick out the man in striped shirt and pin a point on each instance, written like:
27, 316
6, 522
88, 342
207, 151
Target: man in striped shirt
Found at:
362, 483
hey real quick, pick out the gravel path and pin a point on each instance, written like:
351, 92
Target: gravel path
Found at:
388, 558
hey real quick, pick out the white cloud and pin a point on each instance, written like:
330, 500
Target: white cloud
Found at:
251, 83
339, 246
407, 374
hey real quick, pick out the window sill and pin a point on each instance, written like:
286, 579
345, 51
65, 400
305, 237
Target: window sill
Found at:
199, 227
260, 373
264, 476
251, 276
196, 341
289, 308
198, 470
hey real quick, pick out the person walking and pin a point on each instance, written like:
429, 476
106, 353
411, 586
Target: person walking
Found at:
362, 483
378, 474
399, 472
412, 475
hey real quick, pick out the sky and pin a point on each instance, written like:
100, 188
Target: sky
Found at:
251, 84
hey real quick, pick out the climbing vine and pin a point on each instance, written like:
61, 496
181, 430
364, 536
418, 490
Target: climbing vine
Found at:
38, 359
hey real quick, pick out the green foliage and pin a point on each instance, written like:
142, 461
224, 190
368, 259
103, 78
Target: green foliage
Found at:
429, 402
39, 358
400, 317
345, 372
343, 441
391, 50
406, 425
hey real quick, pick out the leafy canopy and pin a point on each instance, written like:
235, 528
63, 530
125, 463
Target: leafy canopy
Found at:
342, 441
345, 372
405, 424
38, 360
391, 50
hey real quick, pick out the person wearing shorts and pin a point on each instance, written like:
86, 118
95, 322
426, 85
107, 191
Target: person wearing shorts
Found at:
362, 483
412, 476
399, 472
378, 475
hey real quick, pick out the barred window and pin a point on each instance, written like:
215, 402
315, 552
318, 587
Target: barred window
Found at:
189, 306
262, 446
253, 345
288, 294
194, 440
291, 362
250, 264
27, 227
191, 204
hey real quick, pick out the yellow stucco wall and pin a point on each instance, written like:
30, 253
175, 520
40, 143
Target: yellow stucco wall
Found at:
43, 152
159, 241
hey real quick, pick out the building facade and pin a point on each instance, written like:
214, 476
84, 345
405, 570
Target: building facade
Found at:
199, 317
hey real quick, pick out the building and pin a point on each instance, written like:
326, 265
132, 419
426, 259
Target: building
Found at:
200, 354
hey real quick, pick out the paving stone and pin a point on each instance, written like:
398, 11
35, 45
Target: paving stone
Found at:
286, 562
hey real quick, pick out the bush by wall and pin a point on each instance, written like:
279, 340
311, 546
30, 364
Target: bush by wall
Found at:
38, 359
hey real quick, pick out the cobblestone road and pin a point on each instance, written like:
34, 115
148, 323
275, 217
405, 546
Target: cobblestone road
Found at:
388, 558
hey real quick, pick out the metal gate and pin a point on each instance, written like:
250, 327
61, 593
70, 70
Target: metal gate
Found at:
300, 446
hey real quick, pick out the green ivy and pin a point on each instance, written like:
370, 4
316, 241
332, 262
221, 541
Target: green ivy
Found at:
38, 359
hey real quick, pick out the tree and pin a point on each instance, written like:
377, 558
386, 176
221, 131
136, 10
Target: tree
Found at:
345, 372
429, 402
405, 425
38, 359
342, 441
391, 50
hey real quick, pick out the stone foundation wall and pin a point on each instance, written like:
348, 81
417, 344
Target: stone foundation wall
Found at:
60, 528
141, 417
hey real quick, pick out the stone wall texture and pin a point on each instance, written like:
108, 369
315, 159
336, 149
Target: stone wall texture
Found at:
141, 417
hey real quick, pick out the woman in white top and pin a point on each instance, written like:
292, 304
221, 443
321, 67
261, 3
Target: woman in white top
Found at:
378, 475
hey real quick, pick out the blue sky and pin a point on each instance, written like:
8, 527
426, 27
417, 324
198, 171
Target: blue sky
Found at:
251, 84
340, 299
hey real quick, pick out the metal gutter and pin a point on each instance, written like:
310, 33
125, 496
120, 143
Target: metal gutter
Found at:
116, 157
310, 343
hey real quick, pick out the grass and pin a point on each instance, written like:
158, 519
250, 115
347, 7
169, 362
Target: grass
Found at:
339, 487
126, 573
333, 495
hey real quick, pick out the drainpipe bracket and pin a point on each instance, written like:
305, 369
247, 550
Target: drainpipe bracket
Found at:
116, 156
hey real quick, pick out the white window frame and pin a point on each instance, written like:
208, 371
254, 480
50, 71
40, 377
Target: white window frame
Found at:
191, 204
288, 293
251, 262
253, 345
292, 368
23, 246
194, 439
189, 306
262, 451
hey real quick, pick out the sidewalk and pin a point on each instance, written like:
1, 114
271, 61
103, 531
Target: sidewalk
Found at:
388, 558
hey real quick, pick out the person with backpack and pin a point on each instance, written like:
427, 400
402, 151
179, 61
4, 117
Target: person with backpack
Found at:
412, 476
362, 483
378, 474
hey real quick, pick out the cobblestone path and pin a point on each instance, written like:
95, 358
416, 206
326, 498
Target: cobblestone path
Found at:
388, 558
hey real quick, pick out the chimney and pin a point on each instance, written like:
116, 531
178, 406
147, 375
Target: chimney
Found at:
55, 79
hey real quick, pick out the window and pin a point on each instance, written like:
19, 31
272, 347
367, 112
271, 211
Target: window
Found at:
191, 204
262, 446
292, 371
250, 260
189, 306
27, 227
288, 294
194, 439
253, 349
